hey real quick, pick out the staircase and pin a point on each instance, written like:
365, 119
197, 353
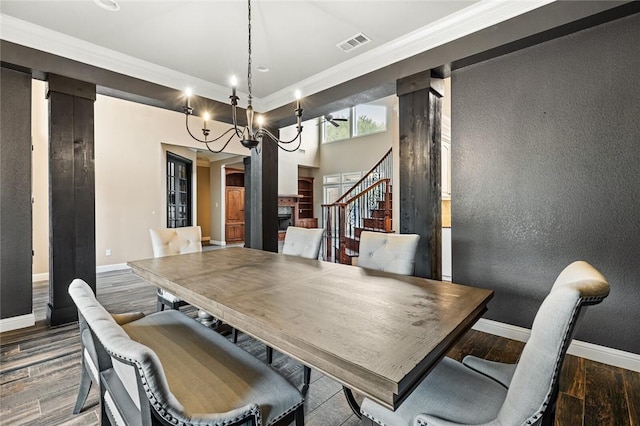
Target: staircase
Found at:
366, 206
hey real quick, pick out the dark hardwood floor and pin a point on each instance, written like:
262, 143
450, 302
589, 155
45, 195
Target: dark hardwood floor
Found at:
40, 370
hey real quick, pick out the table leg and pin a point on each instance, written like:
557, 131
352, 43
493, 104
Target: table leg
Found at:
351, 400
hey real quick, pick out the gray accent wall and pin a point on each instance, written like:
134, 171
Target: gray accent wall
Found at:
546, 170
15, 194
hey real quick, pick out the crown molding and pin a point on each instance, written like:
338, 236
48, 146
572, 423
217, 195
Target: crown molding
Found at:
464, 22
474, 18
34, 36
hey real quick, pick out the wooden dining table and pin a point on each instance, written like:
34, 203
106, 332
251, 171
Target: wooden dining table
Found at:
376, 333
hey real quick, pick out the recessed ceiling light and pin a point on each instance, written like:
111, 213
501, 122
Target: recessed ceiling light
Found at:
263, 69
111, 5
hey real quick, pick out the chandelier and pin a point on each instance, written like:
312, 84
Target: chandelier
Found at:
250, 135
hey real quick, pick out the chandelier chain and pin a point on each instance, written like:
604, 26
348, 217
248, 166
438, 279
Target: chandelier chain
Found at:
249, 62
249, 136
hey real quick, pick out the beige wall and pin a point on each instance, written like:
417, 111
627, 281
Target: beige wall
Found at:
307, 155
204, 200
131, 141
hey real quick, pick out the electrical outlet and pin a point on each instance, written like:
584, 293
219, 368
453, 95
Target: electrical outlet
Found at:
107, 252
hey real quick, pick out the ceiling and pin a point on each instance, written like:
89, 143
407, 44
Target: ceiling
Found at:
200, 44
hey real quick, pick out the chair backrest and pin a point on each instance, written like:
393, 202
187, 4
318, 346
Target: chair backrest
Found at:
388, 252
303, 242
117, 351
534, 385
170, 241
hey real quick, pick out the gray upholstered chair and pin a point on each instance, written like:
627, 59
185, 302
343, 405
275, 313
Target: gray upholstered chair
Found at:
169, 242
166, 369
172, 241
302, 242
90, 374
454, 394
393, 253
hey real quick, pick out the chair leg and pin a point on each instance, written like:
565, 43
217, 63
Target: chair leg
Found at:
269, 355
306, 379
83, 391
300, 415
306, 375
234, 335
160, 305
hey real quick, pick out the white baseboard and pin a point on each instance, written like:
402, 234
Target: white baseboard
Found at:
40, 277
14, 323
114, 267
218, 243
603, 354
104, 268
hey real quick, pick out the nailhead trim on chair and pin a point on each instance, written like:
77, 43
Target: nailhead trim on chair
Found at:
160, 409
286, 413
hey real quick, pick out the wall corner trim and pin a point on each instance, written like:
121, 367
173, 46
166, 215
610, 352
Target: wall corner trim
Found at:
610, 356
20, 321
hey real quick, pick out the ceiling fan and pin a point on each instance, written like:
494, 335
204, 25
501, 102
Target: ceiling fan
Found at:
328, 118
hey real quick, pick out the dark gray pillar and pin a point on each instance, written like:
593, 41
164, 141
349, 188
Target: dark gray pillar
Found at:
15, 194
420, 104
72, 193
261, 227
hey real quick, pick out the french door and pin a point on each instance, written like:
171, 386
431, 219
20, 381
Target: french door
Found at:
178, 191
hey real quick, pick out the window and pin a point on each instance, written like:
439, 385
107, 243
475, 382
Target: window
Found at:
370, 119
337, 130
360, 120
178, 191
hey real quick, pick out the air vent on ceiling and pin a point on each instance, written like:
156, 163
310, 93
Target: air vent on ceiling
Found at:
353, 42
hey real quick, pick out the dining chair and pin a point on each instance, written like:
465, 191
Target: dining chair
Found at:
300, 242
173, 241
90, 373
393, 253
387, 252
164, 369
455, 394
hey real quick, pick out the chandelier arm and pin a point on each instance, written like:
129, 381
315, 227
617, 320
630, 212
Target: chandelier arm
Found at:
189, 131
223, 146
280, 141
206, 141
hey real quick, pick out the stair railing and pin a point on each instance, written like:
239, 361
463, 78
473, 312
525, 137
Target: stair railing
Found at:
342, 218
383, 169
345, 220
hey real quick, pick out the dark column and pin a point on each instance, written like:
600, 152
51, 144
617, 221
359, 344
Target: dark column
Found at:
420, 103
72, 193
15, 190
261, 213
247, 201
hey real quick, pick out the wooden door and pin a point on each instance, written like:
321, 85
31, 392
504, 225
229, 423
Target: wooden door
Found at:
234, 214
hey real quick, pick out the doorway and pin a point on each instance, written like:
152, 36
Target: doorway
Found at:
234, 206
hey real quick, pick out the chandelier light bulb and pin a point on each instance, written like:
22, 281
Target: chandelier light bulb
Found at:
260, 121
205, 117
234, 81
188, 93
298, 94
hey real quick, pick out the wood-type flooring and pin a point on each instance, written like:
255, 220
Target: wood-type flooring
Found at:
40, 370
